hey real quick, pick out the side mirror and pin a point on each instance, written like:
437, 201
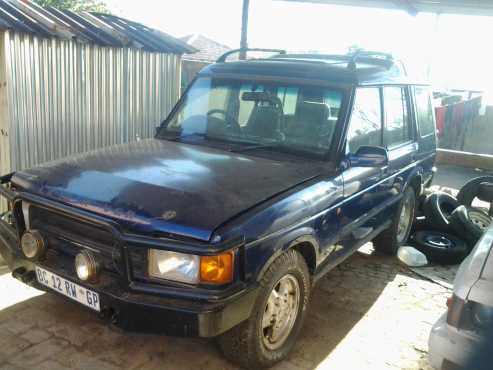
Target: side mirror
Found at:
370, 156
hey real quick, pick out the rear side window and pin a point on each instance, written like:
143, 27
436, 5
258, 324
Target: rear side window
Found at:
397, 129
365, 127
424, 111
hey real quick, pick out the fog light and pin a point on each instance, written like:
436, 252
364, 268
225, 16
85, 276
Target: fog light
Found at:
86, 266
33, 244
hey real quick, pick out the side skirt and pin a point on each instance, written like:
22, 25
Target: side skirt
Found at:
331, 263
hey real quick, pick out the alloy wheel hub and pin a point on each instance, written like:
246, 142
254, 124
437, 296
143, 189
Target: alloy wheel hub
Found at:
280, 312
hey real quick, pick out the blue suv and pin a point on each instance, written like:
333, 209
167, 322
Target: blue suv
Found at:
266, 175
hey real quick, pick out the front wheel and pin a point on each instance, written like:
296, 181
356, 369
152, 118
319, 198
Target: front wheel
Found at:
277, 317
396, 235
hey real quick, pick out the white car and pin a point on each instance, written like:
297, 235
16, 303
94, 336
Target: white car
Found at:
458, 338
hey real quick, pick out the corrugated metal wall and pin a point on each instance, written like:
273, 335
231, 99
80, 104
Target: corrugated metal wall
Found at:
67, 97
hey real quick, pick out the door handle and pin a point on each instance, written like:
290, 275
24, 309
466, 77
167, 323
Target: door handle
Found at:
384, 170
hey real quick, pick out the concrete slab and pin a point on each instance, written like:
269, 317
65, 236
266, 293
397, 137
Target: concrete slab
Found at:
455, 177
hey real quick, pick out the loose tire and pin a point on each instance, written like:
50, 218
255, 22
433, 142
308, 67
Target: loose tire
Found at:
440, 247
462, 224
470, 190
389, 241
438, 208
252, 344
485, 192
479, 217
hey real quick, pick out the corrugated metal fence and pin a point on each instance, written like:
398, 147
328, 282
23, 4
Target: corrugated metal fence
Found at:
67, 97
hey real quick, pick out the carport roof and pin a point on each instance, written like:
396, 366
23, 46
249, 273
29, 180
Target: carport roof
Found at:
102, 29
466, 7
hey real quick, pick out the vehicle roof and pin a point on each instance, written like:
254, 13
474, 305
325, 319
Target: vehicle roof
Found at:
330, 69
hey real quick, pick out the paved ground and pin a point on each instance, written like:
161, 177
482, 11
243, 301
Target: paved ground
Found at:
369, 313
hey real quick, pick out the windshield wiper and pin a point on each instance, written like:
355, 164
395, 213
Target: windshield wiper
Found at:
254, 147
179, 137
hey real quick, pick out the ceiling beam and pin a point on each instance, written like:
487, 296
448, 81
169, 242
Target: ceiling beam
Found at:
464, 7
407, 6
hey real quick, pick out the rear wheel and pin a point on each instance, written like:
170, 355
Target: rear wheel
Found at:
396, 235
277, 317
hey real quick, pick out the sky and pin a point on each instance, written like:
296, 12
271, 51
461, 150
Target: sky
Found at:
456, 47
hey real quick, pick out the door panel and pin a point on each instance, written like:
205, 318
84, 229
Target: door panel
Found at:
398, 134
362, 188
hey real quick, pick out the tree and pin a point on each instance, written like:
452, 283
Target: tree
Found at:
75, 5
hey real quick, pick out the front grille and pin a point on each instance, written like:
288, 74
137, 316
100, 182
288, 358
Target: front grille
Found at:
68, 235
138, 259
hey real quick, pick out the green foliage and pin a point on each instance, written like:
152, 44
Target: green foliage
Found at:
75, 5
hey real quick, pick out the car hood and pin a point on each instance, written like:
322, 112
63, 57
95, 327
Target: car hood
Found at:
162, 186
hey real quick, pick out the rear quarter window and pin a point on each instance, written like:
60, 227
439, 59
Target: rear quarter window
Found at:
424, 111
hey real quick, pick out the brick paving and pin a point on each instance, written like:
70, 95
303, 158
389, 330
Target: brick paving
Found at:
369, 313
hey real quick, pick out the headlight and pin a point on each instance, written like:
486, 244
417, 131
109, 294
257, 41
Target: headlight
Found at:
192, 269
33, 244
174, 266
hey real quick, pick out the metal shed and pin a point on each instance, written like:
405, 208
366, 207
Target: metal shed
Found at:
72, 82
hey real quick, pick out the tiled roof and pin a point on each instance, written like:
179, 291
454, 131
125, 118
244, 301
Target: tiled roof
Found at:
208, 50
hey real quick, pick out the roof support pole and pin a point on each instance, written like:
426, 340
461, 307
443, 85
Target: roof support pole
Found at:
244, 29
435, 41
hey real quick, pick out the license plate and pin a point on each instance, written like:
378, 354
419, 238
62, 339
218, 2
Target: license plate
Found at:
67, 288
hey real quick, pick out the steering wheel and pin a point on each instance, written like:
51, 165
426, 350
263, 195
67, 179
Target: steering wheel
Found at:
231, 122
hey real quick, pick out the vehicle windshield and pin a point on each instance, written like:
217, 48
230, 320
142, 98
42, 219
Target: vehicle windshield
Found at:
271, 115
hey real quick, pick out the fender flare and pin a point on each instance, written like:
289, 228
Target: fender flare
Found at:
417, 172
289, 241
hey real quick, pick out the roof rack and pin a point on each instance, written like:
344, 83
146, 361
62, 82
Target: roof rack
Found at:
369, 55
223, 57
378, 58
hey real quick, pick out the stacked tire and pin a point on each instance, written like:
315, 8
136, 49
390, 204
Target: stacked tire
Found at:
452, 226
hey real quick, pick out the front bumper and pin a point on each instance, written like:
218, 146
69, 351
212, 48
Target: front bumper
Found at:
450, 348
143, 312
135, 306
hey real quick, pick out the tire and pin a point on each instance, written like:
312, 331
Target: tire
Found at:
245, 344
419, 205
485, 192
470, 190
480, 218
440, 247
419, 224
389, 241
438, 208
462, 225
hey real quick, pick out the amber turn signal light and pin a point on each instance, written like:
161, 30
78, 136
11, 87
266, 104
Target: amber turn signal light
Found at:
217, 269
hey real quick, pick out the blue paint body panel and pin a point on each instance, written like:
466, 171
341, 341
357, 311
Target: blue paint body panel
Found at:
158, 186
204, 199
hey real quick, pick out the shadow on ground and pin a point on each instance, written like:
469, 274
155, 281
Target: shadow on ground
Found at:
71, 337
3, 268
